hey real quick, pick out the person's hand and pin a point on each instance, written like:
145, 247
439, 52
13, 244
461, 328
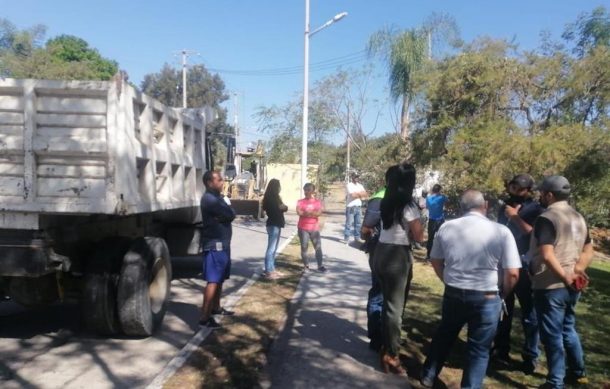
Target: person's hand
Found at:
365, 232
581, 279
511, 211
569, 278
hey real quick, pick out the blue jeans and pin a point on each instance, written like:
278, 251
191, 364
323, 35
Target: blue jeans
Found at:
273, 241
523, 292
352, 222
557, 323
481, 311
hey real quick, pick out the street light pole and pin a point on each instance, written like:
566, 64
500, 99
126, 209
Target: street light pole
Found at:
305, 99
306, 86
184, 54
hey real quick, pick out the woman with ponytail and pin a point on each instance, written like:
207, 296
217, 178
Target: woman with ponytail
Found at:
400, 228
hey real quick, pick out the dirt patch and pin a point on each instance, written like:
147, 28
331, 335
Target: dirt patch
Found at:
234, 356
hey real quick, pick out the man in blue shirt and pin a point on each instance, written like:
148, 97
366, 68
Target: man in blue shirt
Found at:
216, 234
435, 203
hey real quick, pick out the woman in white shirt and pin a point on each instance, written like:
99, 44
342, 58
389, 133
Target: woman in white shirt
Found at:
400, 221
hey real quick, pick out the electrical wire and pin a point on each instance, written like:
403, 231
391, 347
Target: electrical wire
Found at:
317, 66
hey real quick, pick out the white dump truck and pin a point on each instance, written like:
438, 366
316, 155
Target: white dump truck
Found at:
99, 185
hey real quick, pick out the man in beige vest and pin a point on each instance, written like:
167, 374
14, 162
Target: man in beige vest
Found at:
561, 251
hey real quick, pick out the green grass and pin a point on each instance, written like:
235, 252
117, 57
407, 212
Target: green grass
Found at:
422, 315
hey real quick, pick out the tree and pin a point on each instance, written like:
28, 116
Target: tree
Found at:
62, 58
14, 41
491, 112
339, 102
589, 31
68, 49
405, 53
204, 89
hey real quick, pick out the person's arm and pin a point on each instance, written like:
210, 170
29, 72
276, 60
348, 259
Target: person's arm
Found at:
512, 214
545, 232
365, 232
416, 230
362, 194
511, 276
547, 252
218, 209
439, 267
318, 211
586, 256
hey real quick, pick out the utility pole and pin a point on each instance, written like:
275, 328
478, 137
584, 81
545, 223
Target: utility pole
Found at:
236, 126
349, 144
185, 53
235, 118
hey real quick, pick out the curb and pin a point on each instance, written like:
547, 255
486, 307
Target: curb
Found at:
181, 357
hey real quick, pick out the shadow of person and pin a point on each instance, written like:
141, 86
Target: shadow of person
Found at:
334, 333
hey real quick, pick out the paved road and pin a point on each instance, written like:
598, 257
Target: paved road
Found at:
48, 348
324, 342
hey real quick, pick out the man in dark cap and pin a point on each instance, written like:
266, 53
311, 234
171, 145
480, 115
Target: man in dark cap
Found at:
561, 251
519, 214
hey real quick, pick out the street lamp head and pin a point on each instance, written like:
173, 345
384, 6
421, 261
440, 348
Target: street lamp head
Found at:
339, 16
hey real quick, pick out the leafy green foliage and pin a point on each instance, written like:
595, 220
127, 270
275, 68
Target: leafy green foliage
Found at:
62, 58
204, 89
589, 31
492, 112
66, 49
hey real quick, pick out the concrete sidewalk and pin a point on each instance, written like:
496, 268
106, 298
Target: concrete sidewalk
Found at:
324, 341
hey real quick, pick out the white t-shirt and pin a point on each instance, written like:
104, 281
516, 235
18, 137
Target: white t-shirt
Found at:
351, 189
472, 248
397, 234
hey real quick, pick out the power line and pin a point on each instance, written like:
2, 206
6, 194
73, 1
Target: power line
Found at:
322, 65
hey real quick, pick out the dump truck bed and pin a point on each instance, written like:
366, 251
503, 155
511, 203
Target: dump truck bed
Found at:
94, 147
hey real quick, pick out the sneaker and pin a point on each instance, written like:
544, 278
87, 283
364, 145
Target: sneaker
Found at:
210, 323
501, 358
529, 366
574, 380
306, 268
271, 276
322, 269
427, 382
223, 312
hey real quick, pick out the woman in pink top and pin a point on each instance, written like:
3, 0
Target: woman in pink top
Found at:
309, 209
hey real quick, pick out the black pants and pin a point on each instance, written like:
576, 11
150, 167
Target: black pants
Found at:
433, 226
529, 321
392, 265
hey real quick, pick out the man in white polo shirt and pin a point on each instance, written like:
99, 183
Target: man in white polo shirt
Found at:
466, 255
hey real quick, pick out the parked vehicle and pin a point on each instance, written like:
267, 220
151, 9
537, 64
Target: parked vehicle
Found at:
99, 186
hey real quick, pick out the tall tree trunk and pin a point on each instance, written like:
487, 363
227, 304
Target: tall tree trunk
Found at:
404, 118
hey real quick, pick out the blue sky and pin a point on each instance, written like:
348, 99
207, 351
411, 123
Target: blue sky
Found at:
268, 34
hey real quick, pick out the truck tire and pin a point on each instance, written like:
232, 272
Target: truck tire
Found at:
99, 304
107, 255
144, 286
